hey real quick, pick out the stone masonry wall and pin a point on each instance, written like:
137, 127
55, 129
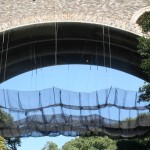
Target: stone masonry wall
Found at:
117, 13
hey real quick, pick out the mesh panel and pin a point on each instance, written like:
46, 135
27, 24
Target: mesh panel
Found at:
51, 112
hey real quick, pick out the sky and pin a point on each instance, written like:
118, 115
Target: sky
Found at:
83, 78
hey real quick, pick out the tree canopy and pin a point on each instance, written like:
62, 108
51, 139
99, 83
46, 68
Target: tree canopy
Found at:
10, 143
50, 146
144, 51
3, 144
129, 144
144, 21
90, 143
101, 143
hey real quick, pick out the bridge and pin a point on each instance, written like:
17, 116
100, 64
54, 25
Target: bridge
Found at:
37, 33
105, 31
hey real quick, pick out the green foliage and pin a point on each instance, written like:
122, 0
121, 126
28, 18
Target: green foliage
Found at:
142, 116
4, 117
12, 143
145, 92
136, 143
102, 143
144, 141
144, 21
3, 144
90, 143
130, 145
144, 51
50, 146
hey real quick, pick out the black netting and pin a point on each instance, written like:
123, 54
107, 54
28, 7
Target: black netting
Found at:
113, 112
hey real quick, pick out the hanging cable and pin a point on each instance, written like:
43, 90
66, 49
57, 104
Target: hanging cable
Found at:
104, 46
34, 56
1, 61
6, 56
31, 58
96, 57
109, 47
84, 48
54, 98
56, 43
55, 34
104, 52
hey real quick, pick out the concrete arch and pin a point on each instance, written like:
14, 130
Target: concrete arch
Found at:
30, 47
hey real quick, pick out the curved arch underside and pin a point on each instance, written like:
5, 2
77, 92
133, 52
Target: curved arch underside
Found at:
40, 45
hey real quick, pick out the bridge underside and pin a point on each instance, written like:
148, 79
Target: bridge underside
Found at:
39, 45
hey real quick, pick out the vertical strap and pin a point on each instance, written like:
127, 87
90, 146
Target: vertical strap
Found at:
124, 98
119, 126
40, 102
129, 123
99, 110
61, 105
19, 102
81, 121
98, 105
4, 97
54, 101
9, 103
136, 99
107, 96
137, 121
119, 119
116, 97
109, 117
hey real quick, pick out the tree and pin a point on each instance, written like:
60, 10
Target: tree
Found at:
12, 143
50, 146
144, 51
90, 143
142, 143
144, 21
129, 144
3, 144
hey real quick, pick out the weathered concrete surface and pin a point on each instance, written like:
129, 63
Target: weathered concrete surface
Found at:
117, 13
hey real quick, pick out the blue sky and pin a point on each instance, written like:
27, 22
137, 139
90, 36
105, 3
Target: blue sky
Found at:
83, 78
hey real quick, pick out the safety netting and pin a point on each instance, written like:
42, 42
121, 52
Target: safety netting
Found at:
51, 112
